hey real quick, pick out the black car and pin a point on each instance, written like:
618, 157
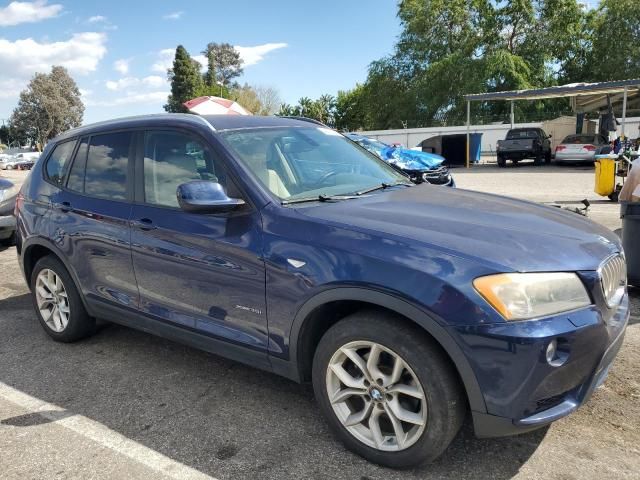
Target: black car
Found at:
524, 143
8, 192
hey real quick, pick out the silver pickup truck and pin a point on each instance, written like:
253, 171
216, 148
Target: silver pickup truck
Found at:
524, 143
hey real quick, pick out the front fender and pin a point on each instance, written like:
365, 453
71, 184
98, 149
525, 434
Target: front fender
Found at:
402, 307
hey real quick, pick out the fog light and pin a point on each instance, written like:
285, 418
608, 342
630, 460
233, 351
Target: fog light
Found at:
551, 351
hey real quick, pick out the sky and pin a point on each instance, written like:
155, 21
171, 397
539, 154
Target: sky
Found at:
118, 51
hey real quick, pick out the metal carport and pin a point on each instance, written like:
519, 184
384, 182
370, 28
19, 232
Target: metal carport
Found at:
585, 97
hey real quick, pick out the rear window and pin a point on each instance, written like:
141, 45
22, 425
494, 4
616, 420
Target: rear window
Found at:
580, 139
58, 160
107, 162
515, 134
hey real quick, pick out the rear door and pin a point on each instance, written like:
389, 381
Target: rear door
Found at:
90, 218
201, 272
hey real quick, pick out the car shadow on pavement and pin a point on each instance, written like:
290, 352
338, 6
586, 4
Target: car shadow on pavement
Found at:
217, 416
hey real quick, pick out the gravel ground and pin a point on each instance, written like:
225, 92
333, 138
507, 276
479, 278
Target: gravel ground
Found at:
124, 404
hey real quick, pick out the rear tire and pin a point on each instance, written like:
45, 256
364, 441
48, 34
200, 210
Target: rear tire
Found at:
547, 157
57, 302
502, 162
538, 159
436, 397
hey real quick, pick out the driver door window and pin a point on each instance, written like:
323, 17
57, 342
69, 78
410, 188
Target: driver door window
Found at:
172, 158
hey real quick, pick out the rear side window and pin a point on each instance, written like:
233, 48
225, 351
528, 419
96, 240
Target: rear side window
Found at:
579, 139
516, 134
58, 160
107, 162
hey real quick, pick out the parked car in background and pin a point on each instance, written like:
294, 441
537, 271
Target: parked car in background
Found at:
524, 143
419, 166
580, 148
281, 244
4, 159
8, 193
24, 164
24, 161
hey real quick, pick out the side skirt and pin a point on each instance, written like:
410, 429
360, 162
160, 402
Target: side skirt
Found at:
156, 326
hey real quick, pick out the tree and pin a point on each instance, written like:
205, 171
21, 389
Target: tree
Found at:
349, 111
258, 100
269, 98
224, 63
210, 78
186, 81
616, 41
450, 48
48, 106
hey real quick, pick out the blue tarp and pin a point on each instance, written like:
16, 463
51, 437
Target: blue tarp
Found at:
403, 158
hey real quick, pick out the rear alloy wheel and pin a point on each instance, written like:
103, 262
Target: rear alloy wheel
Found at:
387, 390
58, 303
52, 300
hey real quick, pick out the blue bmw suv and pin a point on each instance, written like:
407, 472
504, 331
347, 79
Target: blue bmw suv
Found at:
281, 244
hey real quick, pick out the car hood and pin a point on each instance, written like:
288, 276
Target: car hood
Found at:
502, 233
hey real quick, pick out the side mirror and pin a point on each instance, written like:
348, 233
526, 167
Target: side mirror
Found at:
549, 136
204, 196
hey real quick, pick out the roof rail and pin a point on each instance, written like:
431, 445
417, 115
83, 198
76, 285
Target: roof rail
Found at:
304, 119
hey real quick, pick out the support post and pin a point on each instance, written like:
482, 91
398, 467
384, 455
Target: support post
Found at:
468, 133
624, 112
511, 116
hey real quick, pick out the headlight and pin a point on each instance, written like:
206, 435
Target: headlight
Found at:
8, 193
520, 296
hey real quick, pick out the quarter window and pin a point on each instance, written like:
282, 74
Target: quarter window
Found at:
57, 162
76, 174
173, 158
106, 170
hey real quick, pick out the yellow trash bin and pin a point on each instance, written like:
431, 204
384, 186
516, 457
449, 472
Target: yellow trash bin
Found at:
605, 174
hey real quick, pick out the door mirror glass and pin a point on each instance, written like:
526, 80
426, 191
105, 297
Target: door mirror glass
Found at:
205, 196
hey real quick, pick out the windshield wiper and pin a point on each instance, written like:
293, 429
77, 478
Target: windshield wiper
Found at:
383, 186
319, 198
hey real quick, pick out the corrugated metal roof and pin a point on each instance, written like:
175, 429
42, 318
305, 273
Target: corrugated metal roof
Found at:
571, 90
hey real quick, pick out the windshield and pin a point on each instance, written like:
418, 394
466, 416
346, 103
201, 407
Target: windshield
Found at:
515, 134
300, 162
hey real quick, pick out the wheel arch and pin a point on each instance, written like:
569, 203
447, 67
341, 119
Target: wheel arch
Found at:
34, 249
395, 304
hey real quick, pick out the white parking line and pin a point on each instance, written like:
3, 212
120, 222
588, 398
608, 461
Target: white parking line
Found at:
102, 435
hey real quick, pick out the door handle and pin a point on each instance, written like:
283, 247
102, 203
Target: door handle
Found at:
144, 224
63, 206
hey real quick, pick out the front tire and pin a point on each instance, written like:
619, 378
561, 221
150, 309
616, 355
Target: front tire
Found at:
57, 302
387, 390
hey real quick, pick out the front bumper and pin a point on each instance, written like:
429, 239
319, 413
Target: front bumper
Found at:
438, 176
7, 226
522, 391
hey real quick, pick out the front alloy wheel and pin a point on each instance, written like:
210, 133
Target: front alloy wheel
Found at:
387, 389
376, 396
52, 300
